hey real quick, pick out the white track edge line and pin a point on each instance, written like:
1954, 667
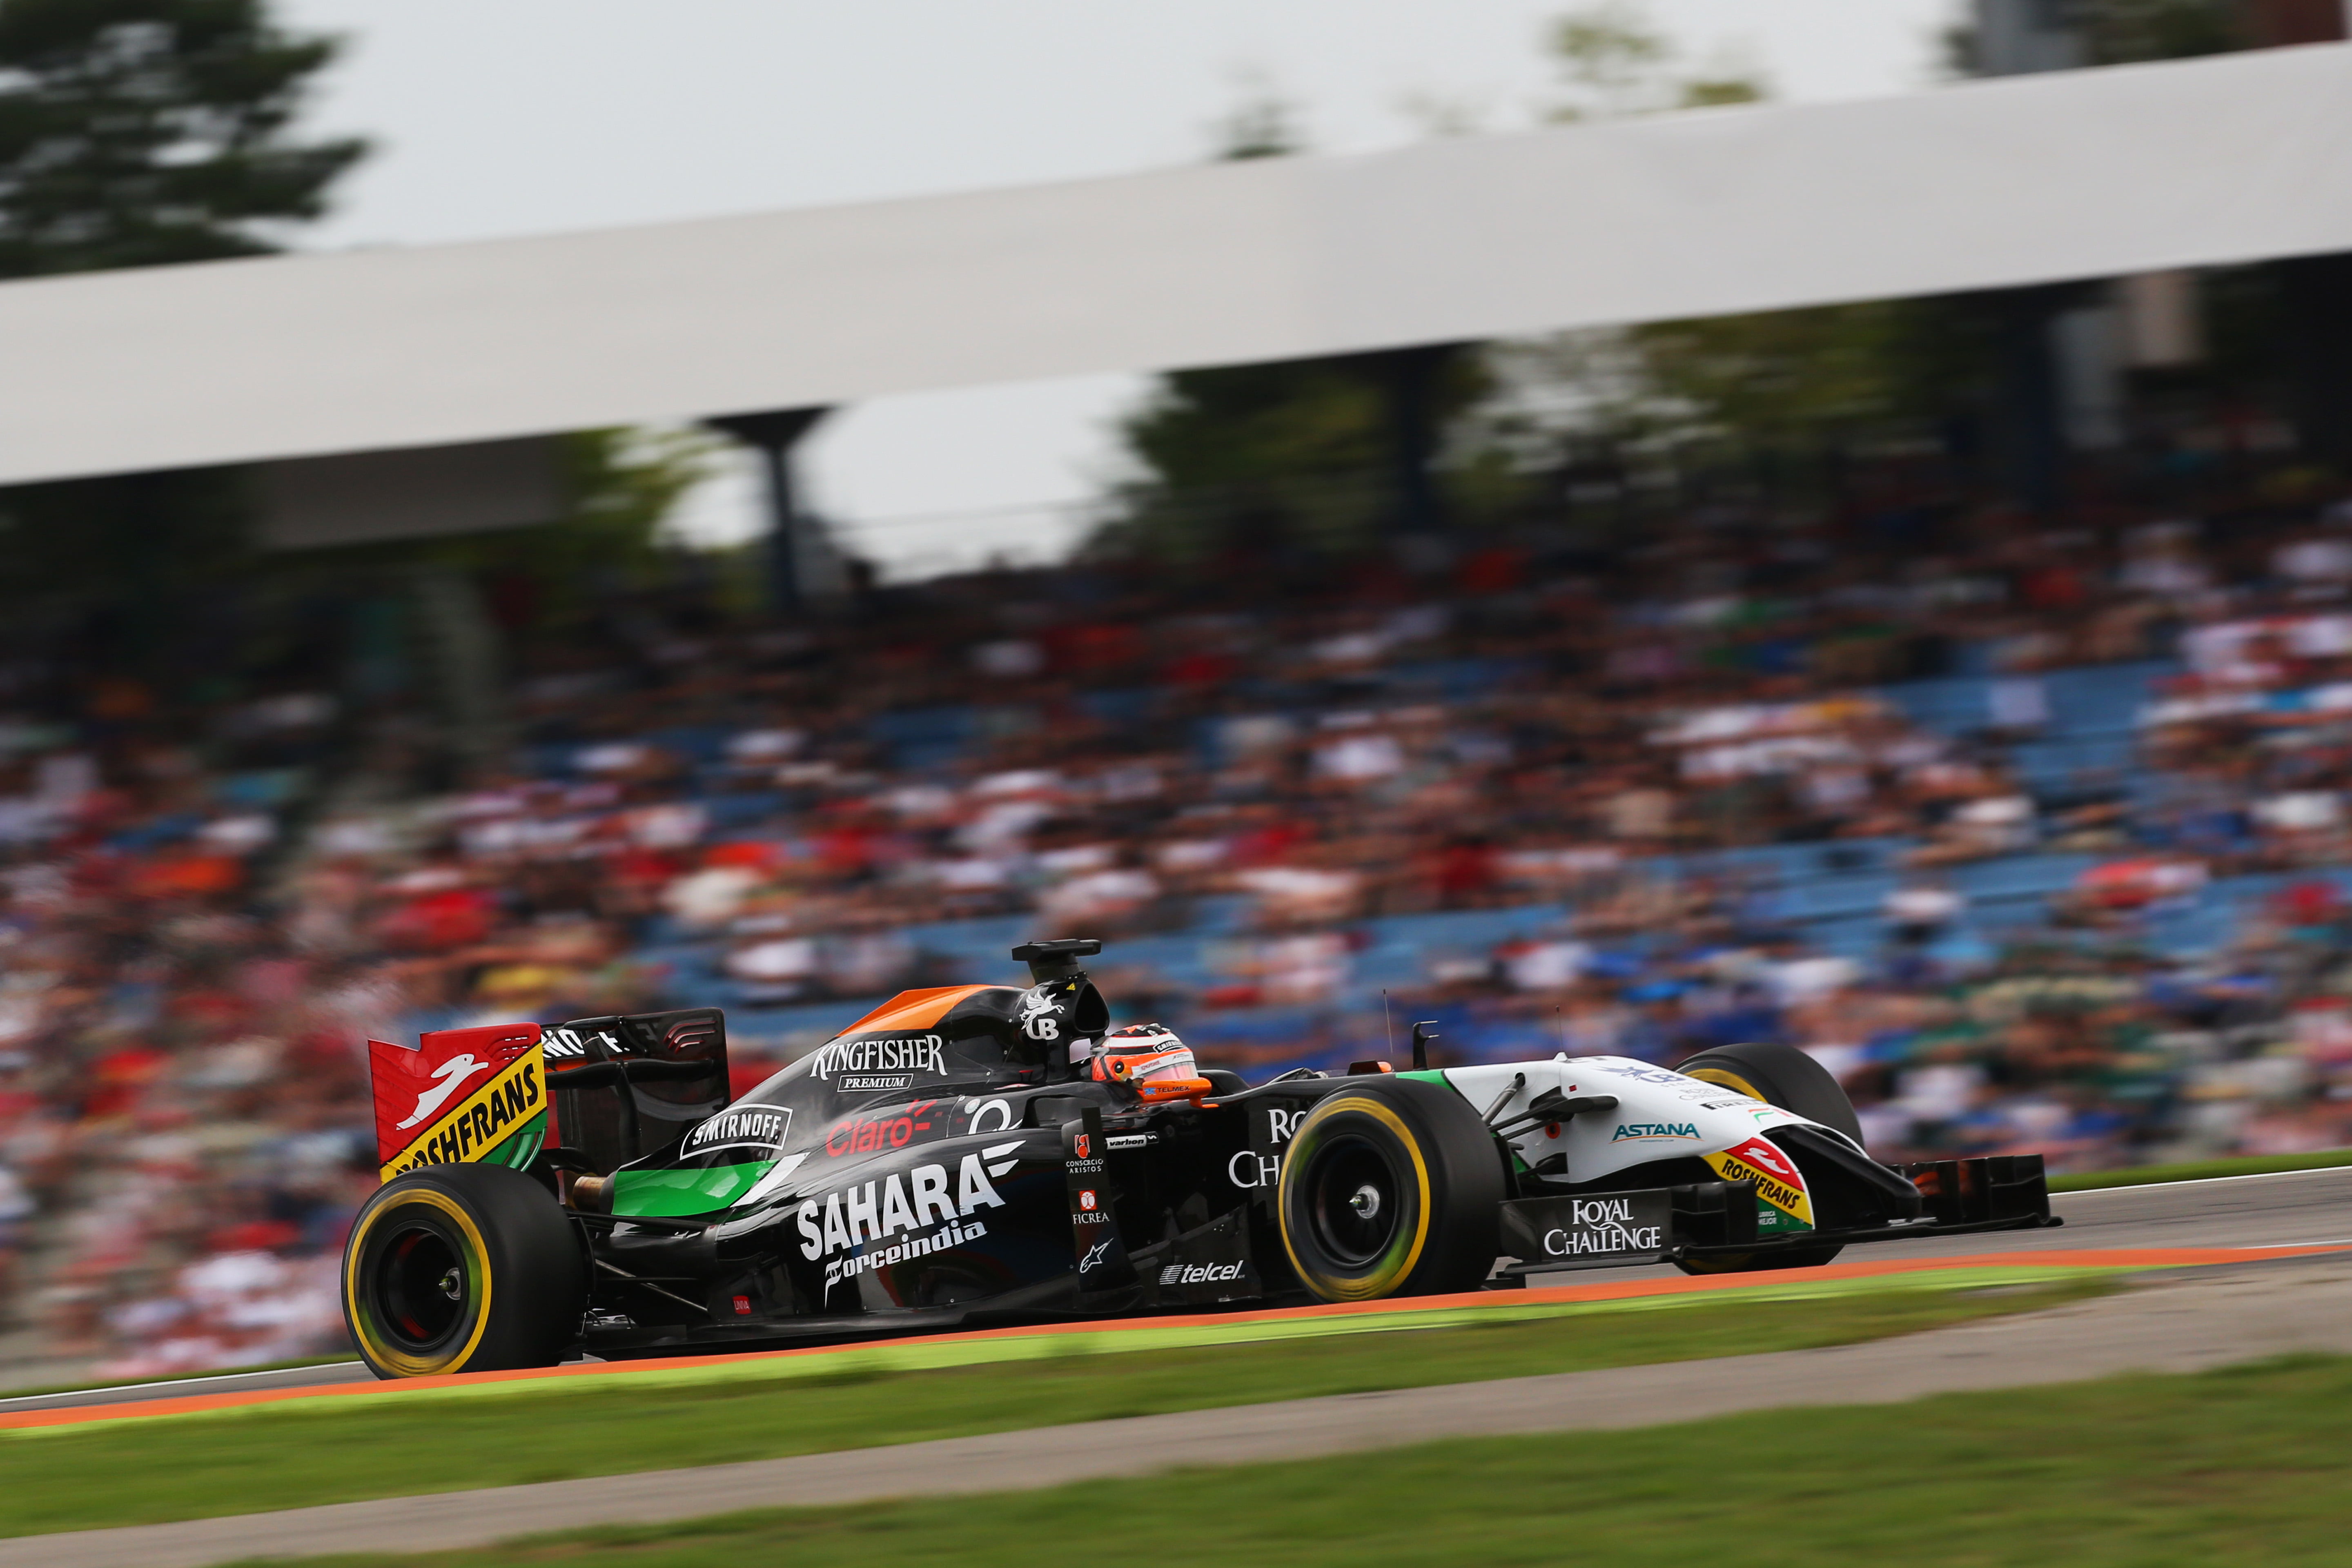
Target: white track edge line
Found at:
2345, 1170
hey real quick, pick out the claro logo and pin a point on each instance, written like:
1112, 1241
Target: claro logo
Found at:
860, 1228
1603, 1227
873, 1134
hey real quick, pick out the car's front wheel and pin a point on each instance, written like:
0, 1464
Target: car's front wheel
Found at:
1783, 1076
462, 1269
1391, 1187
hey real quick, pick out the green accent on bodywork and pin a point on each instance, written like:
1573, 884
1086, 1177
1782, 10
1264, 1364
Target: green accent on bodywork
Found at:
1777, 1222
664, 1195
1429, 1075
522, 1146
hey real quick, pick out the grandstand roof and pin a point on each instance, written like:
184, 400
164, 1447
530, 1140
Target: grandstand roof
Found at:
2020, 180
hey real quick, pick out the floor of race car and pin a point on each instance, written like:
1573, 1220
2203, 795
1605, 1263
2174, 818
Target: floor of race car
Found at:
2205, 1309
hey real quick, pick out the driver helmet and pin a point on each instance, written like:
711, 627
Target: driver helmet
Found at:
1148, 1063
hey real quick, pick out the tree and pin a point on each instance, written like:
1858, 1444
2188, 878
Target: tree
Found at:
136, 133
139, 132
1612, 64
1314, 455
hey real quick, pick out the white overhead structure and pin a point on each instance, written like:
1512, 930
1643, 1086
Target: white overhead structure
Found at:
2080, 173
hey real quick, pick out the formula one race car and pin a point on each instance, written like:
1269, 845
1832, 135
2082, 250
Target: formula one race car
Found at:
992, 1153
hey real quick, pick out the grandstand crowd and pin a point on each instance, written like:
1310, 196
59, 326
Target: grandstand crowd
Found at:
2031, 831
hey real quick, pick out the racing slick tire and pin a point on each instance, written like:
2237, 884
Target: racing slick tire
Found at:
1391, 1187
1786, 1077
462, 1269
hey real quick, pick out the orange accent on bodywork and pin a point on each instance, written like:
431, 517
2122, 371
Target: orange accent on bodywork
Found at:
1175, 1089
914, 1009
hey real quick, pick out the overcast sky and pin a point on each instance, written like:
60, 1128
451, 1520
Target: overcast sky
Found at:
530, 116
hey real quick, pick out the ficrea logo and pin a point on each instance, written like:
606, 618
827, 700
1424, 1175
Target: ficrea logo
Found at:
1654, 1132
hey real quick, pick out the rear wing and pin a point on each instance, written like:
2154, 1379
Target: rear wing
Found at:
460, 1096
631, 1084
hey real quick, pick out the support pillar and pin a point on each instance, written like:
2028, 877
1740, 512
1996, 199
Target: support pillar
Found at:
774, 435
1412, 376
2028, 418
2318, 299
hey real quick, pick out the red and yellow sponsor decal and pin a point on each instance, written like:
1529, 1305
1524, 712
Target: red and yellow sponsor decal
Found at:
1778, 1180
464, 1095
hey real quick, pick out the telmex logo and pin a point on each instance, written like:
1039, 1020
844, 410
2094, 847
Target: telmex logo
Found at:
761, 1129
915, 1053
1653, 1131
872, 1217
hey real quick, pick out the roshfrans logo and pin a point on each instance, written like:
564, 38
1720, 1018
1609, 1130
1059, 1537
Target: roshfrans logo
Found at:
881, 1061
1654, 1132
856, 1229
1777, 1181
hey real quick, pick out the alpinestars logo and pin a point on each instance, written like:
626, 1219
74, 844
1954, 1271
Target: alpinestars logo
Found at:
888, 1061
856, 1229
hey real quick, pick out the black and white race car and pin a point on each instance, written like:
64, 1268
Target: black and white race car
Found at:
982, 1154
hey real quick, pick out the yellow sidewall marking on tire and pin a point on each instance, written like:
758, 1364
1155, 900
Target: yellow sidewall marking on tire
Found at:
1729, 1079
1365, 1289
363, 1324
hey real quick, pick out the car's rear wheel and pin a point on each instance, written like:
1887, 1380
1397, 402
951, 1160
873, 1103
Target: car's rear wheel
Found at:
1391, 1187
462, 1269
1786, 1077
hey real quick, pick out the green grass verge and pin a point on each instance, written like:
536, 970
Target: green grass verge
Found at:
2200, 1170
316, 1451
2245, 1466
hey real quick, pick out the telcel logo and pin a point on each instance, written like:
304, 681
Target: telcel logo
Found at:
1200, 1273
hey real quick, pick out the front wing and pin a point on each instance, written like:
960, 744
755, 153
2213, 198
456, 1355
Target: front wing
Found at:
1718, 1219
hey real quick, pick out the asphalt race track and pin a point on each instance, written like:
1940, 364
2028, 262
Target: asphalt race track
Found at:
2176, 1320
2290, 1209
